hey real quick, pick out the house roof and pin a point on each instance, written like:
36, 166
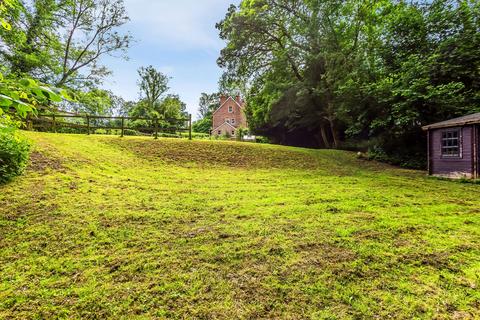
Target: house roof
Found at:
225, 123
465, 120
229, 98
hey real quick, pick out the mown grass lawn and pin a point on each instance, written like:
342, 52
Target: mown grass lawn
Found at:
103, 227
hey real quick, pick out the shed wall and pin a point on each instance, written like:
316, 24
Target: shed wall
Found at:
452, 167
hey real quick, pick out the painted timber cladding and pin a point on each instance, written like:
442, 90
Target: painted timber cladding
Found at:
454, 166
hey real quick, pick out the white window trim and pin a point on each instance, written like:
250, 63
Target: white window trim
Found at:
460, 144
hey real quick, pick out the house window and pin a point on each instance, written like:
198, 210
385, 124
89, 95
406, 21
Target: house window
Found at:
230, 109
233, 121
227, 120
451, 143
219, 131
233, 132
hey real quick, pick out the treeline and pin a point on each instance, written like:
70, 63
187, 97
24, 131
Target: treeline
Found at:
353, 74
50, 60
61, 44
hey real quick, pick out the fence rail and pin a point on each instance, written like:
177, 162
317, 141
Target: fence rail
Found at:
53, 121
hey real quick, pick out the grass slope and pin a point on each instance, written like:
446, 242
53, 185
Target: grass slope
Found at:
104, 227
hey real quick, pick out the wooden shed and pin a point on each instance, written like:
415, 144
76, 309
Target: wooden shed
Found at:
454, 147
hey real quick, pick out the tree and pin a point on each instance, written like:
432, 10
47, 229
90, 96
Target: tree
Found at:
61, 42
91, 32
172, 107
203, 125
22, 95
328, 73
207, 104
152, 84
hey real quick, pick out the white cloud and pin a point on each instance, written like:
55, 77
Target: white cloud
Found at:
180, 24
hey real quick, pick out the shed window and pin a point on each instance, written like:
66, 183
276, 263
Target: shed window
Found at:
451, 143
230, 109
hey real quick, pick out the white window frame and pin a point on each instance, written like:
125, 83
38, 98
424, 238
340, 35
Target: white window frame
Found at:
230, 109
232, 121
445, 138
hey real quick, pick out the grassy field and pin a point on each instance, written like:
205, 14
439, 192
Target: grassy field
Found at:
103, 227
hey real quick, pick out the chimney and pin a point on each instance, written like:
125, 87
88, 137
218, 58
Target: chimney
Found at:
223, 99
238, 99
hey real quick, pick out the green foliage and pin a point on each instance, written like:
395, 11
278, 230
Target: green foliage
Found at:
262, 139
203, 125
326, 73
130, 132
153, 84
5, 6
208, 103
61, 42
14, 151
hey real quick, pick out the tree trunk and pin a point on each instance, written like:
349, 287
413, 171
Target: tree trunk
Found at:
333, 131
324, 135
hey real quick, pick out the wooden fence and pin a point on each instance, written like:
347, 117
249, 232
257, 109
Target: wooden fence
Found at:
91, 123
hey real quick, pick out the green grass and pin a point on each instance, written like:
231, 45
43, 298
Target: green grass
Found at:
104, 227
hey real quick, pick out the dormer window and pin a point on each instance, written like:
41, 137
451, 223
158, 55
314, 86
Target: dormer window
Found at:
230, 109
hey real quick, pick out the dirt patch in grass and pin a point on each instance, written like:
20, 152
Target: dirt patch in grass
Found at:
323, 254
240, 155
40, 162
437, 260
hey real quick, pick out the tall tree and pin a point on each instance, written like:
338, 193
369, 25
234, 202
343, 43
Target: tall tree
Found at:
61, 42
152, 84
91, 30
326, 72
207, 104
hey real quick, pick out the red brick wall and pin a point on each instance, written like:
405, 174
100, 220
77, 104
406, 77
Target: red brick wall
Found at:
220, 116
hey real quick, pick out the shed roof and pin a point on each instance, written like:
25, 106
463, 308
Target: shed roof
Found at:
465, 120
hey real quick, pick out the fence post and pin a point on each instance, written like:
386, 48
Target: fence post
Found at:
29, 122
156, 128
190, 126
123, 126
54, 124
88, 125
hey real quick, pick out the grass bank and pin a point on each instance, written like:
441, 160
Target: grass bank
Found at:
105, 227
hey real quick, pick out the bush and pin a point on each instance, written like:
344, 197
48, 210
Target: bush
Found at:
14, 151
130, 132
262, 139
101, 131
402, 158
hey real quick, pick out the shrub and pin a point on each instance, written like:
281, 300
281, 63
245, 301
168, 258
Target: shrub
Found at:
101, 131
262, 139
14, 151
130, 132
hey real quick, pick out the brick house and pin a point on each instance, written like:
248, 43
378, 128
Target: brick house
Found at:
229, 116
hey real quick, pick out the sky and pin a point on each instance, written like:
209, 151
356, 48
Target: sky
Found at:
177, 37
